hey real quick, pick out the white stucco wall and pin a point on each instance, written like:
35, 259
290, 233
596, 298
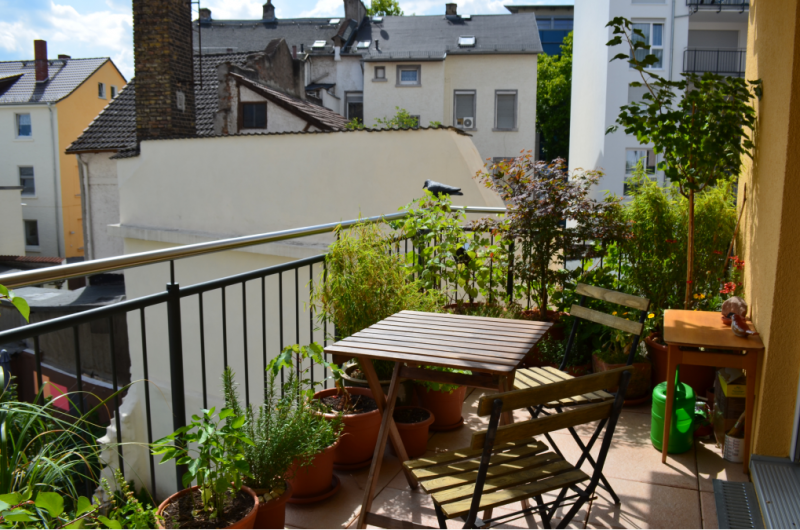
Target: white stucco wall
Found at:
12, 236
600, 87
278, 119
219, 187
38, 151
100, 206
432, 100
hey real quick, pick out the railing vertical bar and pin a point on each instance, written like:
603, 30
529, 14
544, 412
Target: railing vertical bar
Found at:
203, 350
264, 330
37, 353
244, 344
147, 402
297, 313
280, 320
177, 386
311, 313
325, 325
78, 370
224, 331
116, 388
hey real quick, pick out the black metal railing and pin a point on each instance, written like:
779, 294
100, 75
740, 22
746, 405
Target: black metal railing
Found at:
719, 61
719, 5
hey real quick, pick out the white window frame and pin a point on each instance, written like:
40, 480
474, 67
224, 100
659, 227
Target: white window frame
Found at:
101, 90
25, 233
474, 94
114, 91
629, 171
16, 126
347, 101
516, 108
379, 78
650, 39
406, 67
33, 178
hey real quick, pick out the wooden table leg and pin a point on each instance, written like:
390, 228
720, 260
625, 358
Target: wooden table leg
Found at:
673, 359
380, 448
394, 434
749, 406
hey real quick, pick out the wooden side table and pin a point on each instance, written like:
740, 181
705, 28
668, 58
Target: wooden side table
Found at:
700, 338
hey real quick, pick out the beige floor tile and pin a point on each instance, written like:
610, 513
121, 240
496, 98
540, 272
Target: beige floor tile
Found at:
711, 465
645, 506
632, 427
642, 463
708, 507
643, 408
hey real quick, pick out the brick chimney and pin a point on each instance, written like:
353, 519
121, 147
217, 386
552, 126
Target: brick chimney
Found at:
354, 9
269, 11
451, 9
162, 48
40, 56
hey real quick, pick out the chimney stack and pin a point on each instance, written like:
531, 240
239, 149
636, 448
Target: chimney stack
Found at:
355, 10
294, 52
269, 11
163, 57
377, 45
205, 14
451, 9
40, 54
62, 56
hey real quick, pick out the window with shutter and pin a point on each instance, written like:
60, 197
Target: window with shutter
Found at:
464, 103
506, 109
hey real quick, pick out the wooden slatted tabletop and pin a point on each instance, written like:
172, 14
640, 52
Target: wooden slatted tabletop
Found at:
491, 345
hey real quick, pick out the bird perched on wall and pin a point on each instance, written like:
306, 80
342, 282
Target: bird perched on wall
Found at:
437, 188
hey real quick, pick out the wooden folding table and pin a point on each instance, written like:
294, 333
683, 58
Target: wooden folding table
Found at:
490, 348
700, 338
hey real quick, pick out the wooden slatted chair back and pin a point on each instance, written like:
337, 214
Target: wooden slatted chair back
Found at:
533, 397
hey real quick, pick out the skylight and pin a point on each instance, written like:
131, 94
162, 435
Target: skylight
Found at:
466, 41
318, 44
335, 20
363, 45
466, 17
377, 19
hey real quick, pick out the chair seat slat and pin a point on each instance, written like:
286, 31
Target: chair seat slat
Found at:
629, 326
628, 300
456, 455
456, 468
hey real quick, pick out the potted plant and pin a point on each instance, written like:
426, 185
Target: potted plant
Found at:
580, 359
413, 423
310, 475
445, 401
216, 460
615, 355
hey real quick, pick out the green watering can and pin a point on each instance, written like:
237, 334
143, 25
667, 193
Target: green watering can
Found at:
684, 417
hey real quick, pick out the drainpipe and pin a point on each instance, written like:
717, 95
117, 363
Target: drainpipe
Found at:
86, 206
57, 186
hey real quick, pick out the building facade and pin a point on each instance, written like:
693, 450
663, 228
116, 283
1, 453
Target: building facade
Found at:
44, 106
693, 36
554, 21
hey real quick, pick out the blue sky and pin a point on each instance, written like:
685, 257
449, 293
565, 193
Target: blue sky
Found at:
103, 28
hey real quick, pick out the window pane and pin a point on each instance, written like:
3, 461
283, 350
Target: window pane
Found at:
355, 106
506, 111
26, 181
658, 29
645, 29
380, 72
408, 76
562, 23
465, 107
543, 23
254, 116
101, 90
23, 124
31, 233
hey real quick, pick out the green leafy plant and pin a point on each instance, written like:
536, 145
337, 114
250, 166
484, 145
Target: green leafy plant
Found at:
126, 510
401, 120
442, 387
550, 215
216, 459
553, 100
20, 303
288, 427
46, 510
389, 8
701, 125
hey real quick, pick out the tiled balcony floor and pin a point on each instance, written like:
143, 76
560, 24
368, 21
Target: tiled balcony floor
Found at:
676, 495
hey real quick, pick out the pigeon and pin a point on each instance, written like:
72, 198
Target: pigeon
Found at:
437, 188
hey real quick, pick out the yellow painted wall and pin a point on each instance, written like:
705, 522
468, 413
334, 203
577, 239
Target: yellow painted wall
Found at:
75, 113
770, 237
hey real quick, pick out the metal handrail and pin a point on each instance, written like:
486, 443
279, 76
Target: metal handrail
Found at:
86, 268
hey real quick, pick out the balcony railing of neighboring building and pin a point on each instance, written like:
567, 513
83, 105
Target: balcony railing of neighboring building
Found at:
719, 5
718, 61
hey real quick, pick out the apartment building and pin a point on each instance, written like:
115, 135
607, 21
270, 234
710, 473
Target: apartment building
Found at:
553, 20
44, 106
688, 36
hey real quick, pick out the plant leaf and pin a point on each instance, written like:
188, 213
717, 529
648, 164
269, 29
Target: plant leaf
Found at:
52, 502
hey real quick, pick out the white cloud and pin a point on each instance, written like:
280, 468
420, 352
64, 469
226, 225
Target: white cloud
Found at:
234, 9
325, 8
17, 37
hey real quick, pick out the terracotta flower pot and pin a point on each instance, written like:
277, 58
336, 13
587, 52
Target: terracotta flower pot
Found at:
445, 406
272, 514
248, 522
405, 394
700, 378
639, 385
415, 435
315, 478
360, 433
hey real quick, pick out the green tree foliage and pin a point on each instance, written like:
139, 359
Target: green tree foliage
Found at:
389, 8
553, 95
401, 120
700, 125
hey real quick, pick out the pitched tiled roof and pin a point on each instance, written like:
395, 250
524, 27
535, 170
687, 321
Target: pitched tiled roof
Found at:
321, 117
113, 128
65, 75
254, 35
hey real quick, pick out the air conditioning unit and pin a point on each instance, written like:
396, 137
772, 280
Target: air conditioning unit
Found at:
468, 123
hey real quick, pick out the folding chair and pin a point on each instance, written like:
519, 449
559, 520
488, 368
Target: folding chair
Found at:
534, 377
506, 464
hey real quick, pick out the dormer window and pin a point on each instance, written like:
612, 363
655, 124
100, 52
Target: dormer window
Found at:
335, 21
377, 20
318, 44
466, 41
363, 45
